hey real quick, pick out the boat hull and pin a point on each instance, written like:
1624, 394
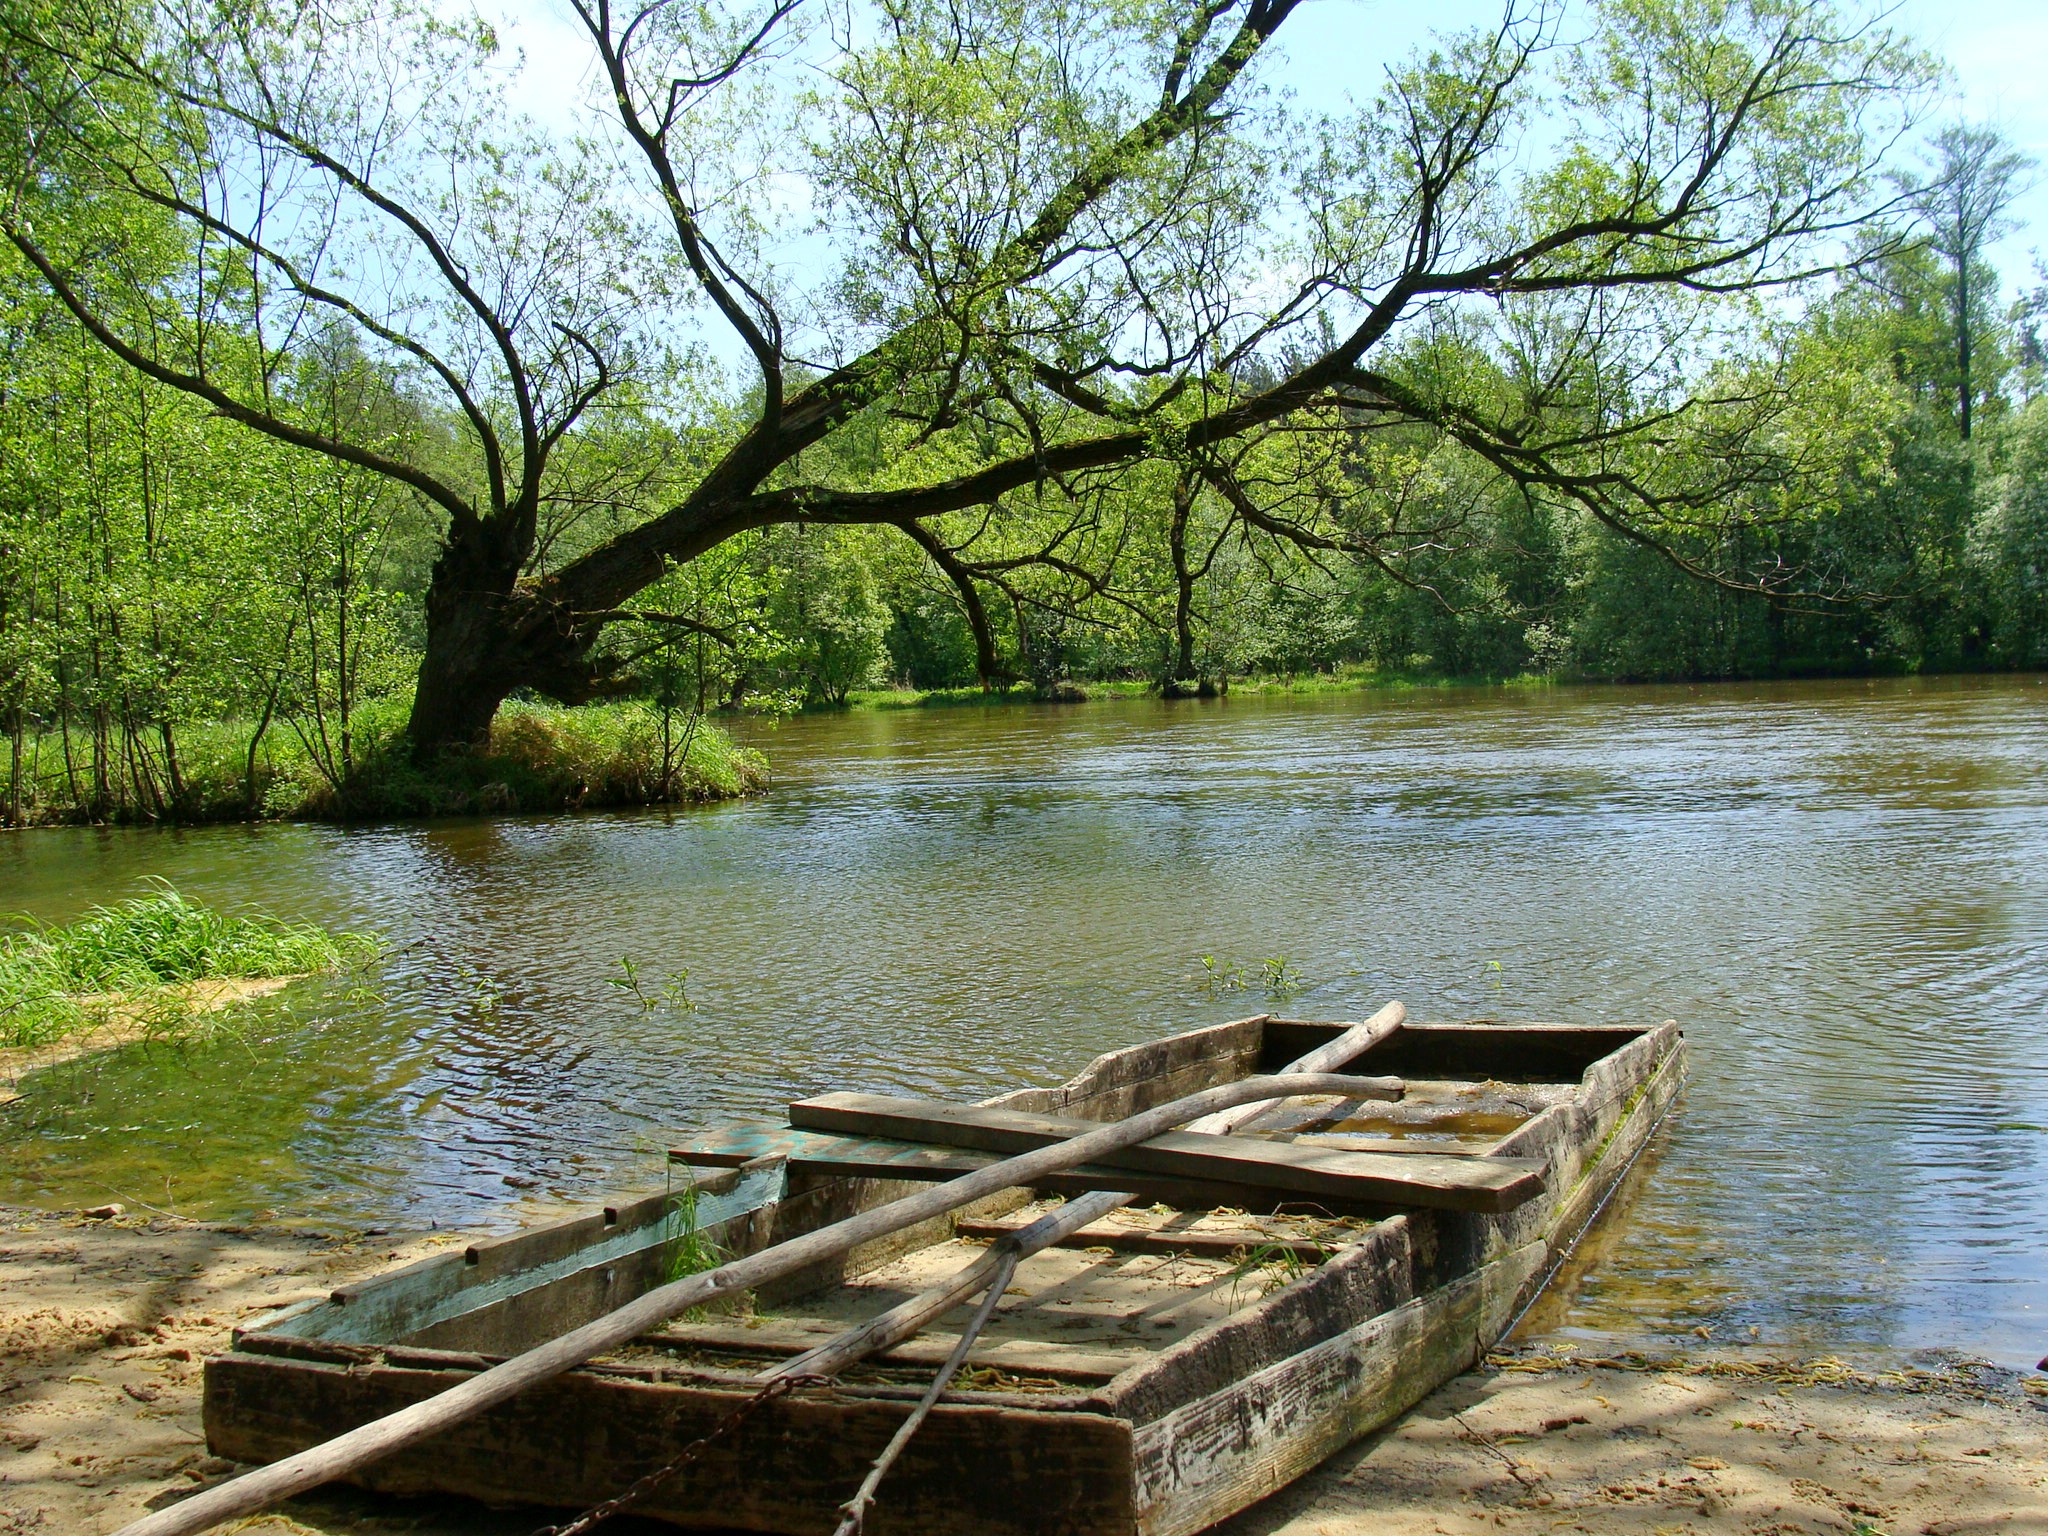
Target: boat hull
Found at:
1179, 1439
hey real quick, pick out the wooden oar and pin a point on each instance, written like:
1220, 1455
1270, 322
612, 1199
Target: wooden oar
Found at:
371, 1442
907, 1318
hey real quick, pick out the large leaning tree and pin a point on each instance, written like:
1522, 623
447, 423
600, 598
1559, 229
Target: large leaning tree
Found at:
980, 272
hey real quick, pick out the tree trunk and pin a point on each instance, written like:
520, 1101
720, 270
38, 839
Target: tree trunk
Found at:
1180, 681
1963, 391
471, 658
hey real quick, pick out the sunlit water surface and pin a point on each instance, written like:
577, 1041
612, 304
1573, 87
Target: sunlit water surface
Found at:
1841, 890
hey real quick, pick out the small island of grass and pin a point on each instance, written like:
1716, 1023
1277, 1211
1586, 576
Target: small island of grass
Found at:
146, 968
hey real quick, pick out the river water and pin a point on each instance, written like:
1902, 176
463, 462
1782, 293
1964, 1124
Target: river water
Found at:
1840, 889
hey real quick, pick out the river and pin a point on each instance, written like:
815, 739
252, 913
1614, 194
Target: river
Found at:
1840, 889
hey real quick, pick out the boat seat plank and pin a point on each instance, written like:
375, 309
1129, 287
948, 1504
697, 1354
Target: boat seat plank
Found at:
1220, 1242
775, 1338
1298, 1169
872, 1157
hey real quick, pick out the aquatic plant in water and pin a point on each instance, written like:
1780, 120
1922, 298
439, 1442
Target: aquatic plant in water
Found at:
1276, 974
139, 959
674, 993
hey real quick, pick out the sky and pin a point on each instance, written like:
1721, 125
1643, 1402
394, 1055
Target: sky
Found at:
1998, 50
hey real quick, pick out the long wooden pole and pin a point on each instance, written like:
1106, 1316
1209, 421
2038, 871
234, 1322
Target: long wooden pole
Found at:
372, 1442
855, 1510
907, 1318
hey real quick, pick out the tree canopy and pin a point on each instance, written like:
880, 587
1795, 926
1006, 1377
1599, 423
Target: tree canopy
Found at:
1057, 293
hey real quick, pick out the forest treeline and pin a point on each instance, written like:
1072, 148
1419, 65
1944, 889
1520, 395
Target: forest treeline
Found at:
199, 619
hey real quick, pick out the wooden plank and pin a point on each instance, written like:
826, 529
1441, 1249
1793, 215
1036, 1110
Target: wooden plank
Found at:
1300, 1170
586, 1435
780, 1337
816, 1154
412, 1301
1211, 1242
1134, 1077
1214, 1456
1347, 1141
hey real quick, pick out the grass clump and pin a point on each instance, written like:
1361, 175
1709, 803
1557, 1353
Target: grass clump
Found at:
138, 960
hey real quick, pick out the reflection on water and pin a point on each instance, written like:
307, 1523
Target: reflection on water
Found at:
1840, 889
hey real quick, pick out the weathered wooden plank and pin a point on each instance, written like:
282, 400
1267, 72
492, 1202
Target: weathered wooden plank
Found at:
818, 1155
410, 1303
1216, 1242
1374, 1275
1135, 1077
584, 1436
1211, 1457
1301, 1170
779, 1337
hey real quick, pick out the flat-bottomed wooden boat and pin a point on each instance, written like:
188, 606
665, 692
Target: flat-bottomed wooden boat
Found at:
1268, 1296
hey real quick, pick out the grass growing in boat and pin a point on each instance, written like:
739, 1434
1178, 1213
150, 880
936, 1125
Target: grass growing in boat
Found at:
685, 1250
1270, 1266
137, 962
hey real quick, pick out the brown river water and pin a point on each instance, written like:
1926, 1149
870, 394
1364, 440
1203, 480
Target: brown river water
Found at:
1841, 890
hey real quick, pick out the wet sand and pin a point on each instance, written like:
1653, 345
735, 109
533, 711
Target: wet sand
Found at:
103, 1324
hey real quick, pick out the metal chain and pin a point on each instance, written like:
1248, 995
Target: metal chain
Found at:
597, 1514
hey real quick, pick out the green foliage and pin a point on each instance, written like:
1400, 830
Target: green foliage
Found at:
1579, 455
55, 980
1270, 1266
672, 993
2008, 550
1276, 975
1217, 979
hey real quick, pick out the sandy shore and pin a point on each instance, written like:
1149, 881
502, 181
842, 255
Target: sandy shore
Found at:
103, 1324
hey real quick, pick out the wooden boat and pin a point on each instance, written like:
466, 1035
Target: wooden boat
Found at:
1276, 1293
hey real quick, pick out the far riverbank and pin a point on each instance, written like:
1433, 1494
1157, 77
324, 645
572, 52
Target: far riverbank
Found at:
1357, 677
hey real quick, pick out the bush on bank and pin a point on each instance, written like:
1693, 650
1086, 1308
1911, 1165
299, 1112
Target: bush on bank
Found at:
542, 758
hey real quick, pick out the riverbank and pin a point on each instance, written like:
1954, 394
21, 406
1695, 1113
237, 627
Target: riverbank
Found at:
1351, 677
104, 1324
542, 758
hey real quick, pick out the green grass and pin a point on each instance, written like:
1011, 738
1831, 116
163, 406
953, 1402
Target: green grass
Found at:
130, 959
